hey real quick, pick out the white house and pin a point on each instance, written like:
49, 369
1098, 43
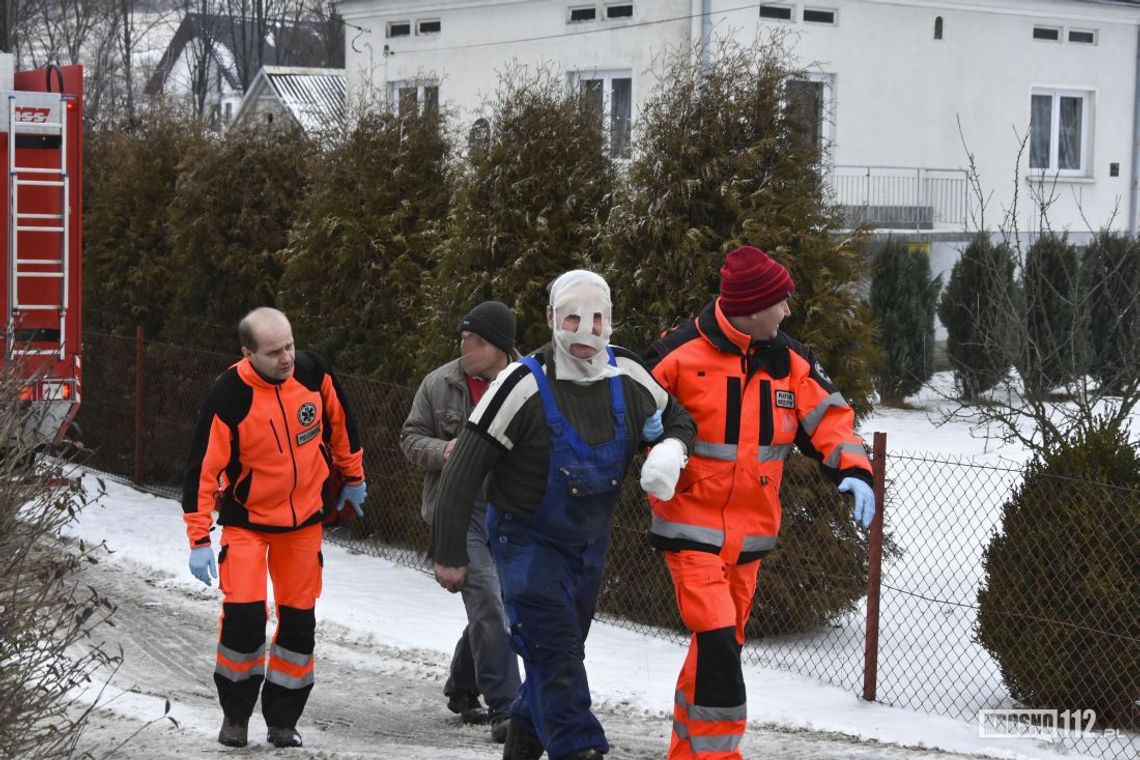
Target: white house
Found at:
909, 90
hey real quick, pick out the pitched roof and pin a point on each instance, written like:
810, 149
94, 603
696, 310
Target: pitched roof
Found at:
291, 44
314, 97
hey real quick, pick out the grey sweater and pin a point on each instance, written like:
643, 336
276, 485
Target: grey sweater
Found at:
507, 439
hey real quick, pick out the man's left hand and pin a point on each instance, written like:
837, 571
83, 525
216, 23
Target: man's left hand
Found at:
864, 499
451, 578
354, 494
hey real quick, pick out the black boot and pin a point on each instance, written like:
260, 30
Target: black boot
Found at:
521, 744
468, 707
283, 736
587, 754
234, 733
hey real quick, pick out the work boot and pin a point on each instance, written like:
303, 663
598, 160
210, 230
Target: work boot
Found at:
234, 733
521, 744
587, 754
283, 736
468, 707
499, 726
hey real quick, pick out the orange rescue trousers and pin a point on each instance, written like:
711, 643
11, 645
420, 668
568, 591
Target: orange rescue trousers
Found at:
710, 709
294, 563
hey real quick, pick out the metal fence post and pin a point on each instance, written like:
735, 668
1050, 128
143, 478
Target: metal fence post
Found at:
138, 403
874, 570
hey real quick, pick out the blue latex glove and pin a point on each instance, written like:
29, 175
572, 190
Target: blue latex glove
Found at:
864, 499
202, 564
652, 429
354, 494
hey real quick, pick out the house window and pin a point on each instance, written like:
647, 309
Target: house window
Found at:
399, 28
938, 28
228, 109
610, 96
619, 10
1082, 36
818, 16
1059, 131
1050, 33
428, 26
409, 98
776, 12
584, 13
806, 100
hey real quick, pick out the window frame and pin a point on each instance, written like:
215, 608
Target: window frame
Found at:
388, 29
816, 9
630, 17
1085, 148
1047, 28
1092, 32
421, 21
396, 88
607, 76
827, 105
581, 7
789, 7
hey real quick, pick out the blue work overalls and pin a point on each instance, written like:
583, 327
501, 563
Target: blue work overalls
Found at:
550, 569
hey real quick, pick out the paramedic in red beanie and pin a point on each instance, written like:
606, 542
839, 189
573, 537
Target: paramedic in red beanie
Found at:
754, 392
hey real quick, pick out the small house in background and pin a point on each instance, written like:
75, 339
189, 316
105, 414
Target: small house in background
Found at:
213, 59
309, 98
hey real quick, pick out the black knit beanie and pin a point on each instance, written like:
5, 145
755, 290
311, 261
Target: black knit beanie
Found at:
494, 322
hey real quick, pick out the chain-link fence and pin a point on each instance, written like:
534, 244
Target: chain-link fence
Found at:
1059, 631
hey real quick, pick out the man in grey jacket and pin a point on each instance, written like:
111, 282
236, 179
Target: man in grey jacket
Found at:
483, 662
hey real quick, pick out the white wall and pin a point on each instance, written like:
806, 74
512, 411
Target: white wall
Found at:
898, 94
465, 58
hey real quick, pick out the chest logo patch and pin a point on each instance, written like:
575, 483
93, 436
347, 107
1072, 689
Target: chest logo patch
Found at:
786, 399
307, 413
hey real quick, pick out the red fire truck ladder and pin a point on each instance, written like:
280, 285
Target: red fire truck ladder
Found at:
37, 242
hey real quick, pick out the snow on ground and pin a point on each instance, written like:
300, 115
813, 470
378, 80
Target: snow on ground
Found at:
373, 612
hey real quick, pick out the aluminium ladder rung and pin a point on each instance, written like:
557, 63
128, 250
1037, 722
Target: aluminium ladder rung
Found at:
39, 274
36, 351
32, 228
39, 216
56, 262
36, 170
40, 182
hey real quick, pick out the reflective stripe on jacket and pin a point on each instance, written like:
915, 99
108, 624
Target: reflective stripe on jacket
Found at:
265, 448
752, 401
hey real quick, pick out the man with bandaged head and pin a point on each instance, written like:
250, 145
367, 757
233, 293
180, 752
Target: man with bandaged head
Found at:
553, 437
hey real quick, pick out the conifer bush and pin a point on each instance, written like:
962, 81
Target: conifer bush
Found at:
530, 202
1052, 352
719, 162
129, 181
977, 309
1060, 608
359, 255
1110, 274
903, 299
229, 224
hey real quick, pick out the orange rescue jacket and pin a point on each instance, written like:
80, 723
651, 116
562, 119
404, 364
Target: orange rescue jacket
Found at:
752, 401
262, 450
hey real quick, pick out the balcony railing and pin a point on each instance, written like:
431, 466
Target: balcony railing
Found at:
901, 197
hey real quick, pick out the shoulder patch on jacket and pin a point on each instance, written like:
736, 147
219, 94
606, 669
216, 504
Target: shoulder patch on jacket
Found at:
230, 398
670, 341
309, 369
502, 401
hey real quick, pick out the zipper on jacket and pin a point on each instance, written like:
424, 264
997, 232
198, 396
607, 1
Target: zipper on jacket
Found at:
276, 439
292, 456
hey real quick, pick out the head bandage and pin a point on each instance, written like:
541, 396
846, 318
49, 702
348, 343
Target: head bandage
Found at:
581, 294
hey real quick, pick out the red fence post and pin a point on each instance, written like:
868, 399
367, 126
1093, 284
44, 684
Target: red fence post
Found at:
138, 402
874, 570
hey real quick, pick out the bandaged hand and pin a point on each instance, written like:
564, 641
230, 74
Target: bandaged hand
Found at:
662, 468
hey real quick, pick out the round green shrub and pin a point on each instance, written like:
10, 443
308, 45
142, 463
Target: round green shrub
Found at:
1060, 609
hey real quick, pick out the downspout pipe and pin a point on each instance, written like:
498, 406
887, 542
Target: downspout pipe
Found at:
1134, 190
701, 12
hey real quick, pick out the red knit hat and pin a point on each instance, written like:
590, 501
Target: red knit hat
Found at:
751, 281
